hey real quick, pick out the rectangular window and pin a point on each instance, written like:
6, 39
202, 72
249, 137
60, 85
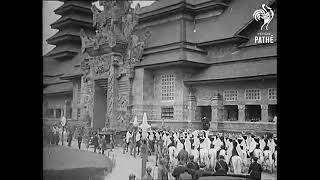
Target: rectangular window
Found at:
69, 113
272, 94
167, 87
253, 113
167, 112
49, 113
58, 113
230, 95
252, 94
231, 112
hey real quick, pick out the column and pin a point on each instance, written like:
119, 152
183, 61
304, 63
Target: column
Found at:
216, 111
54, 113
191, 107
112, 93
241, 113
264, 113
65, 109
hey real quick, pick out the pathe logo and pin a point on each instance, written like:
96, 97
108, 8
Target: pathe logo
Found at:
266, 13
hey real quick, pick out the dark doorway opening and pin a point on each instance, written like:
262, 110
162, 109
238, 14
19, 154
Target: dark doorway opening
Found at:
231, 112
253, 113
272, 112
205, 112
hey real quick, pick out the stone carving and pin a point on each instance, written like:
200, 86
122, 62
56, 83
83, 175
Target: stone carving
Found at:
122, 102
241, 107
264, 107
115, 25
85, 67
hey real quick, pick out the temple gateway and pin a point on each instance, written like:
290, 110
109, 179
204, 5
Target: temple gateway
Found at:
177, 60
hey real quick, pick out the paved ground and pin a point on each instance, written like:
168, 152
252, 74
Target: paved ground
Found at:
126, 164
63, 163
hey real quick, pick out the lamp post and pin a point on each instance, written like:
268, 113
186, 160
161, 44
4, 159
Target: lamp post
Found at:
144, 127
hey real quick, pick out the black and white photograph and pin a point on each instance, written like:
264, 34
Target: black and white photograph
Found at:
160, 90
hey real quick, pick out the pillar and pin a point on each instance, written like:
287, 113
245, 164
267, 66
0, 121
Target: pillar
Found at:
264, 113
241, 113
191, 107
216, 111
112, 93
54, 113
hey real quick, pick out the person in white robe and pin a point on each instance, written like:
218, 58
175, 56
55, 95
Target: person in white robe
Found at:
187, 144
204, 152
236, 159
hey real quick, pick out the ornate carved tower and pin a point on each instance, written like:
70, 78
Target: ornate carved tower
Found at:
109, 59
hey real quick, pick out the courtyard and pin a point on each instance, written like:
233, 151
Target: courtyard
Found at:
84, 163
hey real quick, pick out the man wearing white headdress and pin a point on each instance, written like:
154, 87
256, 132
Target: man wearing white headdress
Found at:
262, 143
179, 148
217, 144
128, 136
204, 151
236, 157
196, 142
187, 144
229, 151
212, 154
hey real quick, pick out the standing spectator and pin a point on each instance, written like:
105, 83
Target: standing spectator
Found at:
193, 167
201, 172
162, 170
111, 142
133, 144
56, 135
95, 142
128, 136
70, 134
221, 166
138, 137
255, 169
79, 140
103, 144
147, 176
99, 143
124, 144
179, 169
51, 135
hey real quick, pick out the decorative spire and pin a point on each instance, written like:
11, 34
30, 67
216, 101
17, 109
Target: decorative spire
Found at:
74, 15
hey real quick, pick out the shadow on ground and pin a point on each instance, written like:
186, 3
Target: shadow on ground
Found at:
75, 174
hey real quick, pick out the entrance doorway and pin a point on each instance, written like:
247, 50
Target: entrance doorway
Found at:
205, 111
100, 105
253, 113
231, 112
272, 112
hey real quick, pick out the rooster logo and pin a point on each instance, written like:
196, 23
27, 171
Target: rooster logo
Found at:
265, 13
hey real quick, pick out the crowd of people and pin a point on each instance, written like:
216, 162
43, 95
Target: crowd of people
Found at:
200, 152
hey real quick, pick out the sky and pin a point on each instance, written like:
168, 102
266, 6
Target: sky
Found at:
49, 17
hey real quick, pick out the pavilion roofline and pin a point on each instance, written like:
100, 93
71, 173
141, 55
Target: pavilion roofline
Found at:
179, 62
71, 77
62, 38
63, 55
235, 39
69, 21
182, 6
269, 76
70, 6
